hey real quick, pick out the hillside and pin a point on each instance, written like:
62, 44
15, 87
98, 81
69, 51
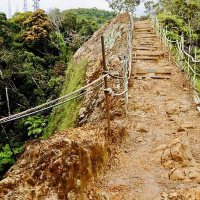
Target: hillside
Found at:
62, 166
36, 66
101, 16
146, 86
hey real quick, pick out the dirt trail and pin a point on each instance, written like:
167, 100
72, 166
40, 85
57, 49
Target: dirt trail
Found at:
161, 109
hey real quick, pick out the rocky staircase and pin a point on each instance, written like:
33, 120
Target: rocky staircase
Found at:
146, 47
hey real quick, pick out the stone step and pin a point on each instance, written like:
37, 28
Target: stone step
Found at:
141, 31
143, 27
153, 77
143, 21
144, 32
145, 58
145, 36
148, 53
148, 44
146, 39
144, 48
155, 71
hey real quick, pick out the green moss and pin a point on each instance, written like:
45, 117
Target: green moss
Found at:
66, 116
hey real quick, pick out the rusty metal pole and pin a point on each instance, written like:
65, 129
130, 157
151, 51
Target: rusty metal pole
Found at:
9, 143
106, 86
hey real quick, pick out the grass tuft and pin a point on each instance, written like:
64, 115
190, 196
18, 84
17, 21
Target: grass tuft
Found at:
66, 116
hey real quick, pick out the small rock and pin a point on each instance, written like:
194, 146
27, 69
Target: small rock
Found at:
185, 89
188, 125
184, 108
160, 148
177, 175
164, 195
192, 172
141, 128
173, 196
140, 139
82, 112
171, 111
146, 88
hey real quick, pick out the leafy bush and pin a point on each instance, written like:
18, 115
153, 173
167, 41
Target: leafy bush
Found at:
172, 35
66, 116
6, 158
35, 126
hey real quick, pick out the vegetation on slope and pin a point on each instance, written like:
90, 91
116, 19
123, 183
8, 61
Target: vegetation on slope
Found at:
66, 116
182, 17
100, 16
35, 51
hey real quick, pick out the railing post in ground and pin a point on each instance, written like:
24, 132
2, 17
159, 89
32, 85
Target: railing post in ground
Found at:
195, 68
8, 102
189, 71
182, 52
8, 140
106, 86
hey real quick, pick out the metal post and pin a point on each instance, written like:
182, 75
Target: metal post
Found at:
182, 52
8, 103
126, 88
195, 68
189, 62
106, 86
8, 140
189, 73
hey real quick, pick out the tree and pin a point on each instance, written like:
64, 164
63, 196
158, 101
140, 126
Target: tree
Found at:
149, 7
31, 67
56, 19
37, 28
19, 18
123, 5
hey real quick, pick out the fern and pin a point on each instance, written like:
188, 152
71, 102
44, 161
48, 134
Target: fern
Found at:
6, 158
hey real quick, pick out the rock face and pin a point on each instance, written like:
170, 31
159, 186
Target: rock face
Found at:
60, 167
114, 32
178, 159
51, 168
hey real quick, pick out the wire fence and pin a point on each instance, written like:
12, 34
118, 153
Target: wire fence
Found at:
189, 64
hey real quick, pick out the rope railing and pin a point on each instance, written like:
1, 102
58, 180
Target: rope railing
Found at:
40, 107
183, 59
2, 121
127, 62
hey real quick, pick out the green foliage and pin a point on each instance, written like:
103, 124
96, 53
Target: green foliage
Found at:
76, 29
123, 5
6, 158
149, 7
20, 18
35, 125
94, 14
33, 58
66, 115
170, 21
173, 36
37, 28
177, 27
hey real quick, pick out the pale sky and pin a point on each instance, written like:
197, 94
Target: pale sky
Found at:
61, 4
